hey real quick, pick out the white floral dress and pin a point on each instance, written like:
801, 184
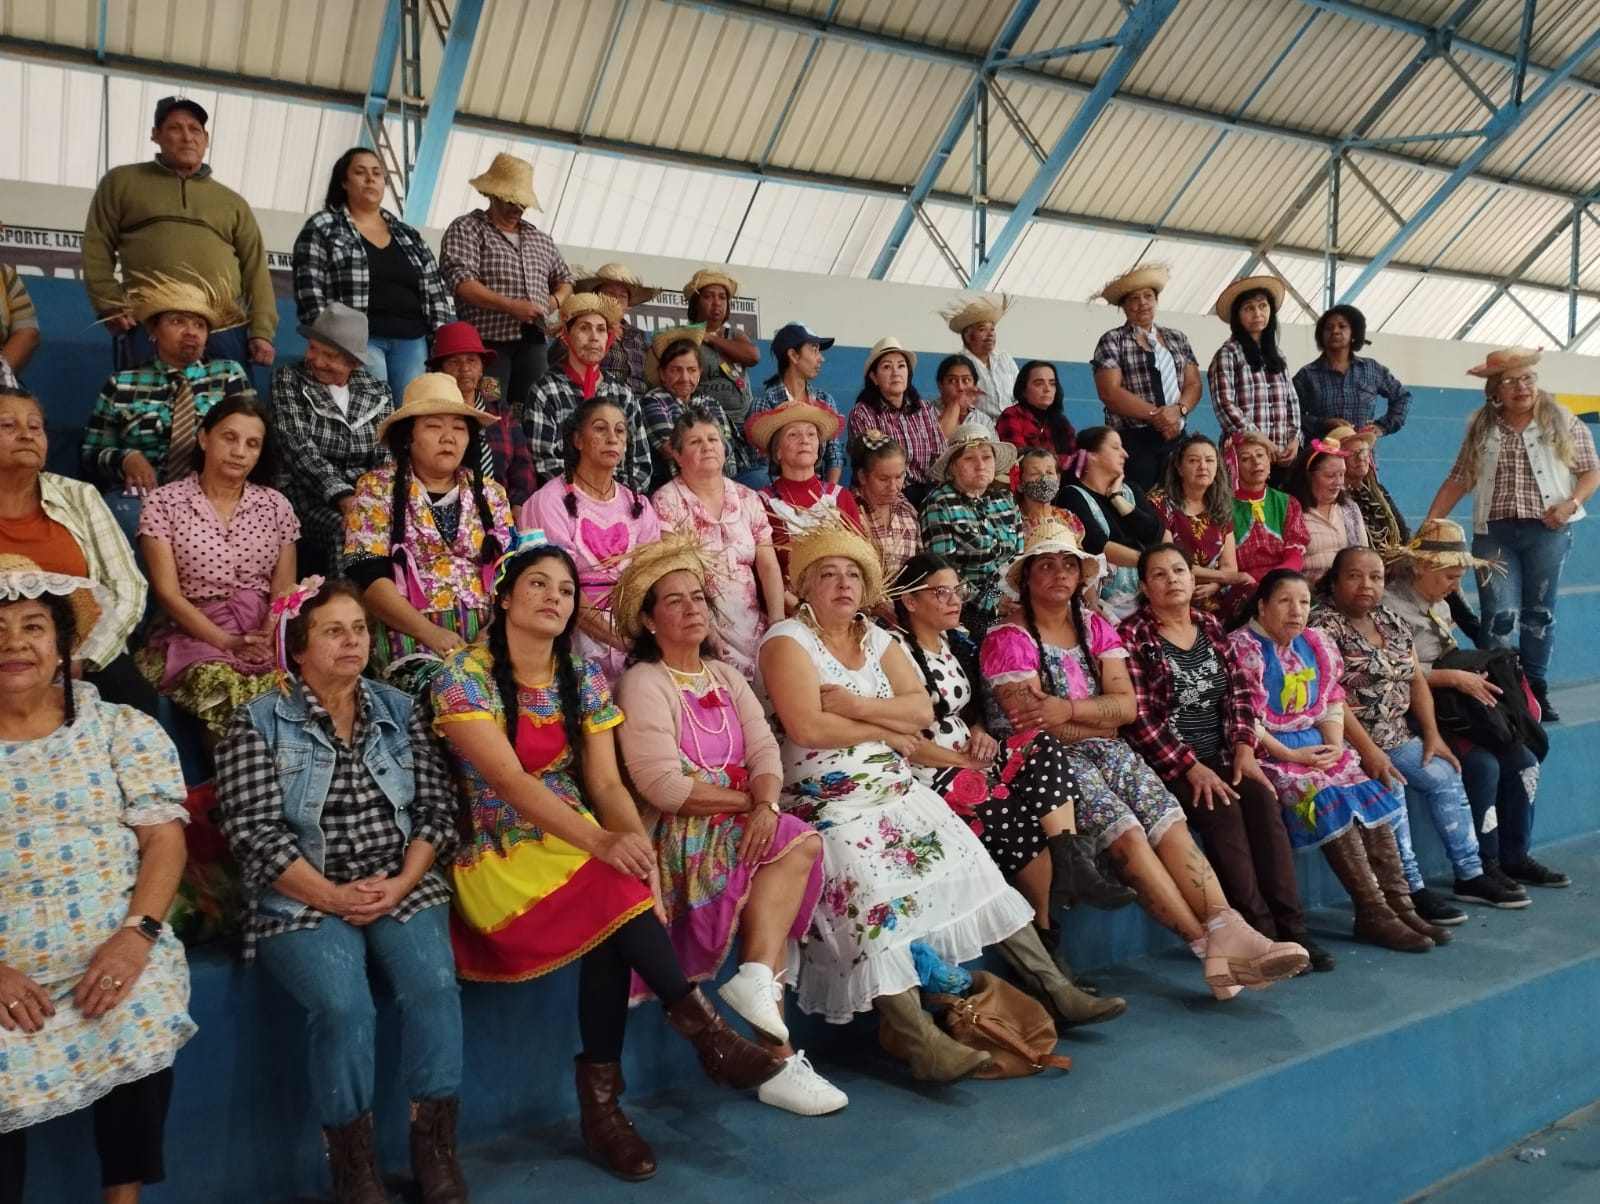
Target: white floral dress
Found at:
898, 865
68, 860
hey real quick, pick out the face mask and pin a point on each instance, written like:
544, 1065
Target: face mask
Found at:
1041, 489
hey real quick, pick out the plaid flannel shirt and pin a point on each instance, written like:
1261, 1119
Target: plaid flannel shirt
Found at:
330, 264
897, 536
624, 359
1247, 400
555, 399
506, 446
978, 536
134, 414
1150, 733
531, 269
833, 455
79, 507
661, 410
1120, 349
1350, 395
1022, 426
1514, 492
914, 426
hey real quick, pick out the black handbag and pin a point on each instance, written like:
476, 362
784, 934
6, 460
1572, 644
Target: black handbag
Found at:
1502, 728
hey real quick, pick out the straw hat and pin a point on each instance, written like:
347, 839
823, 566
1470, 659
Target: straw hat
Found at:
760, 428
961, 314
1346, 436
836, 536
1146, 275
1507, 359
1442, 544
1048, 538
158, 293
579, 304
1270, 285
433, 393
708, 276
92, 603
1240, 438
342, 328
675, 551
614, 273
664, 338
971, 434
882, 348
508, 179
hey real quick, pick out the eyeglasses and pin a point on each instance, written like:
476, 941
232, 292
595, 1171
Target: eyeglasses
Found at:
1518, 382
946, 593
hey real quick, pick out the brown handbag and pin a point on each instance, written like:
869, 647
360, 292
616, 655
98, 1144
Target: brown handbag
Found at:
1012, 1028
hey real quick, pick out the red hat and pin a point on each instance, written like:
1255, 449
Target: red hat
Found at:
457, 338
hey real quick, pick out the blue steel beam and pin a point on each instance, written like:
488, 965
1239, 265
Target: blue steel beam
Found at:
794, 92
442, 109
1021, 13
1501, 126
1058, 52
377, 102
1143, 22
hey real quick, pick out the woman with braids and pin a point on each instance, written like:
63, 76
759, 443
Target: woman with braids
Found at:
1018, 798
589, 511
878, 479
705, 769
556, 866
423, 530
1062, 671
1196, 507
94, 988
1039, 417
1250, 386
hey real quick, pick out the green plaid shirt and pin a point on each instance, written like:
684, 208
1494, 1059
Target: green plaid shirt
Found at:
134, 414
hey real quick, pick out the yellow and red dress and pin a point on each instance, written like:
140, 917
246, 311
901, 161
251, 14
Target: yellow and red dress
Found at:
527, 902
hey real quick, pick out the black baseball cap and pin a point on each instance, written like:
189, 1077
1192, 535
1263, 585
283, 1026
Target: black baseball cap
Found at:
167, 103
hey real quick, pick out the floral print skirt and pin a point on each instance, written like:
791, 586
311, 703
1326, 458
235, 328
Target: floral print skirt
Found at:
1032, 777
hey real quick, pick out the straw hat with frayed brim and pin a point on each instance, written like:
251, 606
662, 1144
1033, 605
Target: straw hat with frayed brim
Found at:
1048, 539
1152, 276
961, 314
1270, 285
971, 434
615, 273
836, 536
675, 551
760, 428
662, 339
709, 276
882, 348
430, 394
1442, 544
579, 304
92, 603
1507, 359
508, 179
161, 294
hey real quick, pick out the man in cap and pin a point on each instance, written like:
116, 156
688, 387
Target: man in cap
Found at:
798, 351
507, 276
626, 358
591, 323
172, 213
1146, 375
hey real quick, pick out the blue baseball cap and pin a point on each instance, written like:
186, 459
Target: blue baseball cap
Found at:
796, 335
167, 103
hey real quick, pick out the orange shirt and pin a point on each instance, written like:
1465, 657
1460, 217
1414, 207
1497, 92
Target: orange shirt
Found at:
45, 542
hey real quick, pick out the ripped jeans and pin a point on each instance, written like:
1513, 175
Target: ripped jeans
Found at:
1519, 606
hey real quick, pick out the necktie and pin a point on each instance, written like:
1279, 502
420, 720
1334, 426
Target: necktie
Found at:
1165, 366
180, 445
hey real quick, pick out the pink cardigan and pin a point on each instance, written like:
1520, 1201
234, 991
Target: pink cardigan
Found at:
650, 733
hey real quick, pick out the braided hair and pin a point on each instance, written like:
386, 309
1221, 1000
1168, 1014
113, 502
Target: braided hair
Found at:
66, 624
398, 439
913, 573
569, 450
1047, 679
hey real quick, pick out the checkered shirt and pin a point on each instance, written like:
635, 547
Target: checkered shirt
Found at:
330, 264
555, 399
833, 454
1247, 400
1516, 492
1351, 395
474, 248
914, 427
1120, 349
134, 414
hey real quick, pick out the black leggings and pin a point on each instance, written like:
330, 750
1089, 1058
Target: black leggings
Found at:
604, 978
129, 1122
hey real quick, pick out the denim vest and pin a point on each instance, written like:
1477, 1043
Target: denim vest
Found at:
305, 757
1556, 480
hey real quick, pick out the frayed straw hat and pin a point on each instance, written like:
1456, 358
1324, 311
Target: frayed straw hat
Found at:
675, 551
709, 276
158, 293
971, 434
92, 603
760, 428
1346, 436
833, 535
508, 179
433, 393
1270, 285
1047, 539
579, 304
614, 273
1440, 543
664, 338
1147, 275
961, 314
1507, 359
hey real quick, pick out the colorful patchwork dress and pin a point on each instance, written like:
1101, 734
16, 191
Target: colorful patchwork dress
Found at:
1269, 532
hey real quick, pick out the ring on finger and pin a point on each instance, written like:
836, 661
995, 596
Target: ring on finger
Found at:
107, 983
12, 1004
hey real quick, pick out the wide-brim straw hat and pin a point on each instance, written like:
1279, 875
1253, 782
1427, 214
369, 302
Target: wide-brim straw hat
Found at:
92, 603
578, 304
343, 328
836, 536
971, 434
157, 293
760, 428
664, 338
1146, 275
1270, 285
675, 551
708, 276
614, 273
882, 348
508, 179
1507, 359
1047, 539
1441, 543
960, 314
429, 394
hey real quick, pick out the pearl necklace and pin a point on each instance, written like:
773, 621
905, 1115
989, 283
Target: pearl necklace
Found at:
687, 683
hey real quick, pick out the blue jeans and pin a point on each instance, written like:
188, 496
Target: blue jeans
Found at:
397, 361
1441, 788
1519, 607
1501, 790
325, 970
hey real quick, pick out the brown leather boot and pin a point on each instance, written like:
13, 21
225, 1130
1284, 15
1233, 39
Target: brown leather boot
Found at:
1376, 922
607, 1133
354, 1163
434, 1165
1383, 855
725, 1056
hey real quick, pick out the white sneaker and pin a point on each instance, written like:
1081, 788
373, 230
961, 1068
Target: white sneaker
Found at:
799, 1089
754, 993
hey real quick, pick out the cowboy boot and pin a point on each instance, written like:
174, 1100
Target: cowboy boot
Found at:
934, 1055
1376, 922
1040, 977
434, 1165
1383, 855
1075, 876
1050, 938
607, 1133
354, 1163
725, 1056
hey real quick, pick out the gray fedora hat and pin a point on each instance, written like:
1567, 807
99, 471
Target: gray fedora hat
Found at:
340, 327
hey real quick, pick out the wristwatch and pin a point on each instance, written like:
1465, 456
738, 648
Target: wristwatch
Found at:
776, 810
147, 927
